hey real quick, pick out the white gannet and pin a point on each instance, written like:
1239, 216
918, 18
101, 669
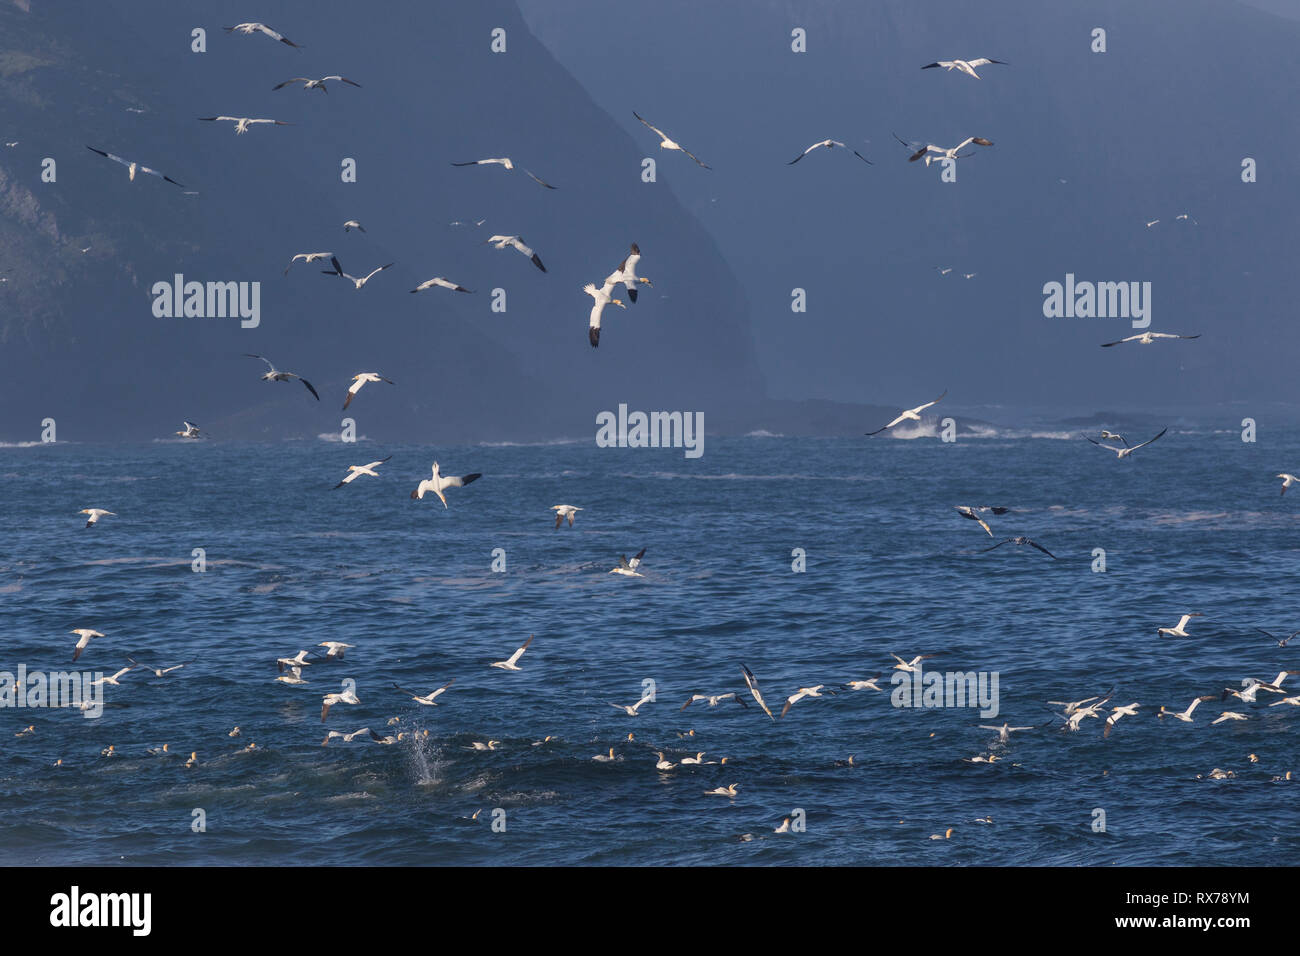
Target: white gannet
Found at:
359, 380
752, 682
235, 732
191, 431
1293, 701
602, 298
1004, 732
428, 699
909, 666
1020, 539
109, 680
1287, 480
727, 791
1072, 706
1186, 216
250, 28
964, 66
829, 144
1152, 223
310, 84
274, 375
194, 759
605, 758
982, 758
626, 275
158, 751
293, 677
479, 745
1227, 715
242, 123
669, 144
1126, 710
693, 761
356, 471
713, 699
329, 700
158, 671
133, 167
516, 242
308, 258
868, 684
784, 827
95, 514
1186, 715
564, 511
545, 740
508, 164
511, 663
799, 695
966, 511
359, 283
631, 709
440, 283
663, 763
1178, 630
298, 661
334, 650
1146, 338
438, 482
931, 153
1111, 436
1125, 452
353, 224
629, 568
909, 415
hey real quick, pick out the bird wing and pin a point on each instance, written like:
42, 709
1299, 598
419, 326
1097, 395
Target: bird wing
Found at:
662, 134
263, 358
539, 181
519, 653
752, 683
309, 386
380, 269
1035, 544
1149, 440
636, 560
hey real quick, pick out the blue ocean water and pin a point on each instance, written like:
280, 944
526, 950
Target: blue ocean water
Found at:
1193, 523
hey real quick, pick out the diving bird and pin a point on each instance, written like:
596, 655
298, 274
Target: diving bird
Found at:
668, 143
516, 242
251, 28
440, 283
752, 682
358, 381
1020, 540
275, 375
308, 258
1178, 630
310, 84
506, 162
359, 283
84, 634
356, 471
1287, 480
829, 144
629, 568
511, 663
437, 483
626, 276
602, 298
1146, 338
964, 66
428, 700
133, 167
191, 430
1126, 451
242, 123
95, 514
973, 514
564, 511
909, 415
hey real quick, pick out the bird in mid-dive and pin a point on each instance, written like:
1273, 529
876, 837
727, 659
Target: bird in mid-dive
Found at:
438, 482
669, 144
360, 379
964, 66
752, 682
133, 167
909, 415
275, 375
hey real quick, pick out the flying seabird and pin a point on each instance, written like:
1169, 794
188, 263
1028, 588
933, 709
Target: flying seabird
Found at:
669, 144
310, 84
1111, 436
506, 162
1178, 629
191, 431
1186, 715
1125, 452
95, 514
1227, 715
964, 66
1127, 710
334, 650
297, 662
799, 695
250, 28
829, 144
868, 684
909, 666
630, 709
360, 379
1287, 480
85, 634
511, 663
1146, 338
1281, 641
602, 298
1004, 732
437, 483
441, 283
242, 123
109, 680
752, 682
274, 375
353, 224
338, 271
713, 699
516, 242
564, 511
308, 258
973, 514
356, 471
428, 699
329, 700
932, 153
133, 167
629, 568
626, 275
1020, 539
157, 671
909, 415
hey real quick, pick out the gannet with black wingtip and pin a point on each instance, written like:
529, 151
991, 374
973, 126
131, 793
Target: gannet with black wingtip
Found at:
1146, 338
868, 684
109, 680
1293, 701
966, 511
669, 144
909, 415
353, 224
1004, 732
516, 242
1186, 715
1179, 629
242, 123
275, 375
626, 275
799, 695
329, 700
909, 666
564, 511
358, 283
299, 661
308, 258
294, 677
631, 709
1111, 436
964, 66
1227, 715
931, 153
310, 84
829, 144
84, 634
441, 283
752, 682
511, 663
133, 167
1287, 481
158, 671
356, 471
1126, 451
334, 650
713, 699
508, 164
251, 28
1020, 540
629, 568
95, 515
191, 431
428, 699
1126, 710
601, 299
358, 381
438, 482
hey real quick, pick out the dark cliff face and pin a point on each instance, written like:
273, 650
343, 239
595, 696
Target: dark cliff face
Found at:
80, 340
